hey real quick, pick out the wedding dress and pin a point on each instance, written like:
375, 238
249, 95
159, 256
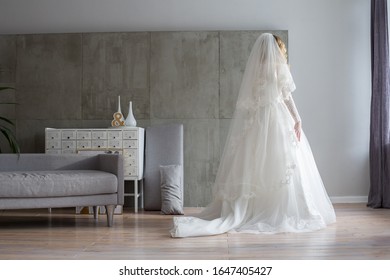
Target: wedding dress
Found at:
267, 181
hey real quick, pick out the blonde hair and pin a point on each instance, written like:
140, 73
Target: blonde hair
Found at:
280, 43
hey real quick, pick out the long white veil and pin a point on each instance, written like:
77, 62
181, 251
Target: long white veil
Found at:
266, 75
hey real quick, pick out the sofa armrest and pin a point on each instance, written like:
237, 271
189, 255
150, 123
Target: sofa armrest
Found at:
113, 164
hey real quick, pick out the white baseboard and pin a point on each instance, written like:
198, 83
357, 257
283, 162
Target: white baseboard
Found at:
349, 199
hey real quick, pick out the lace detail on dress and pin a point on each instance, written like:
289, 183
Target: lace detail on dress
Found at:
257, 98
179, 220
234, 196
285, 81
264, 95
289, 174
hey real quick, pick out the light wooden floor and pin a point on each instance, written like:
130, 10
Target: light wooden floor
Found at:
360, 233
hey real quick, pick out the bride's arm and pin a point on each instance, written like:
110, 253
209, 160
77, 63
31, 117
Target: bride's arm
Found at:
290, 104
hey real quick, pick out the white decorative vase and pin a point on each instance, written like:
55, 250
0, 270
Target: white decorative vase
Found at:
130, 120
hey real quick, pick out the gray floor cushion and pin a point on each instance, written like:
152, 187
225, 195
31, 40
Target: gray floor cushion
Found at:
171, 190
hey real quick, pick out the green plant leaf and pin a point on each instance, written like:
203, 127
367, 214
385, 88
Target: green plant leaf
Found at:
6, 132
7, 103
7, 120
4, 88
10, 139
9, 136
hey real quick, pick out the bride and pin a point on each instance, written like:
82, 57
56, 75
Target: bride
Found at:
267, 181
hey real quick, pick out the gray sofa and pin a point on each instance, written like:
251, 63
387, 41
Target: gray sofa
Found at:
50, 181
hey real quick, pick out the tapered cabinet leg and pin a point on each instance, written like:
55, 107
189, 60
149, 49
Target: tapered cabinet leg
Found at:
110, 214
135, 195
142, 194
95, 212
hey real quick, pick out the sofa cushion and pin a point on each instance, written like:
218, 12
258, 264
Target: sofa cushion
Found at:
56, 183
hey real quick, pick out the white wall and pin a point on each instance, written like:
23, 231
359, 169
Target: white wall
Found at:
329, 52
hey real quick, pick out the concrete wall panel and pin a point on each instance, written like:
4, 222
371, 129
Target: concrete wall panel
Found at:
48, 77
7, 59
7, 75
184, 75
115, 64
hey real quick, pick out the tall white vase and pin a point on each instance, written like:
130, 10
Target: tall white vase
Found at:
118, 116
119, 108
130, 120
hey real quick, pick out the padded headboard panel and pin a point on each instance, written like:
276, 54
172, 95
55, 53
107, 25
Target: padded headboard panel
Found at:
163, 146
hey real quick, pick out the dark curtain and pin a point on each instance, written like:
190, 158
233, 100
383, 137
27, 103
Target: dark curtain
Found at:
379, 196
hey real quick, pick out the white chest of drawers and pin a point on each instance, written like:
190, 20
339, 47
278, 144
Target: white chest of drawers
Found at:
127, 141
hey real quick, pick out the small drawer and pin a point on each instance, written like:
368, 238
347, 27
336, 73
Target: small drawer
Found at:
83, 144
130, 171
130, 153
99, 144
117, 144
131, 162
53, 135
68, 145
68, 134
129, 144
99, 134
114, 134
83, 134
130, 134
53, 144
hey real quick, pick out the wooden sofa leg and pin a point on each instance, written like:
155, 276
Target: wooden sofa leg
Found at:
110, 214
95, 212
